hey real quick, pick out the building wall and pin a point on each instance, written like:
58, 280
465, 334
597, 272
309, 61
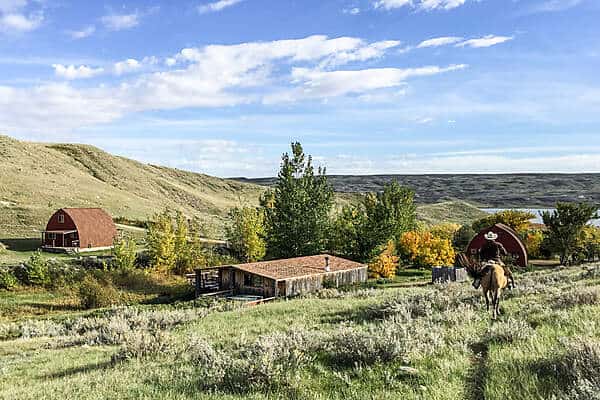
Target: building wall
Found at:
55, 225
265, 286
230, 278
294, 287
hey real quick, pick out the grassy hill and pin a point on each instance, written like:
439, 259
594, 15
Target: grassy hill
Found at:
494, 191
36, 179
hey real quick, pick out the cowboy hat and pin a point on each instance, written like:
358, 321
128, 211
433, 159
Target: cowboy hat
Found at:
491, 236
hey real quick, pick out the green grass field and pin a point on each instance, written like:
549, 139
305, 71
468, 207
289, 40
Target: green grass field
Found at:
408, 342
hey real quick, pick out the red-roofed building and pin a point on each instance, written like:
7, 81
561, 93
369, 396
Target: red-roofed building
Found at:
79, 229
507, 237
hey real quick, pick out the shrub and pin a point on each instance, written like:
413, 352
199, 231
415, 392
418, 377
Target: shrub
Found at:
95, 294
144, 344
125, 253
533, 242
462, 237
62, 275
509, 331
35, 271
378, 344
7, 280
386, 263
577, 368
577, 297
270, 361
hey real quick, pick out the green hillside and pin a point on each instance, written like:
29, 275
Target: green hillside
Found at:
38, 178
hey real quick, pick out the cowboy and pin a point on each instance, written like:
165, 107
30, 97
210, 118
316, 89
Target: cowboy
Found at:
493, 251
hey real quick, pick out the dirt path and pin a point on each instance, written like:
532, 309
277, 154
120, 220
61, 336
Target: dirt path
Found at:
479, 371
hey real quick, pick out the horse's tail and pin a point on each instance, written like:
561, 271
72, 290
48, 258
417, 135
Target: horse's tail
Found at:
472, 268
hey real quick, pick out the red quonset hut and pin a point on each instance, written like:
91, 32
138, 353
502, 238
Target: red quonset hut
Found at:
79, 229
508, 237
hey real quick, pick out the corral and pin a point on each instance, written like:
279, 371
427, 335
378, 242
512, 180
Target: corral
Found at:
281, 278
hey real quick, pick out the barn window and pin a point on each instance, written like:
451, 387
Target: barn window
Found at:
61, 218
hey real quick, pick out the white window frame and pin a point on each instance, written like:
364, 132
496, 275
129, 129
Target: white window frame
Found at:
61, 218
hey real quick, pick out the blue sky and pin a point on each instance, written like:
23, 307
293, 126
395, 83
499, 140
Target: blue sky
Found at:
368, 86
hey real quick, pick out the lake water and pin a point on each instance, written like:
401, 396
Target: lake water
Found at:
535, 211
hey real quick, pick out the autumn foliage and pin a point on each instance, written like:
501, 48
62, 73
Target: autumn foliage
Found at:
386, 263
424, 249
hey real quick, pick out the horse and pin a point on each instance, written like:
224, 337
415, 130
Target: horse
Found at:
492, 284
492, 277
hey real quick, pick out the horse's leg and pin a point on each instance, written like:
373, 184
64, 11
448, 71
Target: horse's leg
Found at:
496, 303
487, 300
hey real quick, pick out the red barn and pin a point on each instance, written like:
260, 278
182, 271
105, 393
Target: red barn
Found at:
509, 239
79, 229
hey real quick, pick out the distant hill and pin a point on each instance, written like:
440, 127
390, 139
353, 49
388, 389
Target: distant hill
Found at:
494, 191
38, 178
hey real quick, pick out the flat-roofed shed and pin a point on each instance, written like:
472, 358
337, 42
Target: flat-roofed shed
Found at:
291, 276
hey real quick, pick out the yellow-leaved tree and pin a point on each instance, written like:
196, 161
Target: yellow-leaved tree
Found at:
423, 249
445, 231
386, 263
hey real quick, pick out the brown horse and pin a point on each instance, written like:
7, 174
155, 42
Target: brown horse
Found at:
492, 284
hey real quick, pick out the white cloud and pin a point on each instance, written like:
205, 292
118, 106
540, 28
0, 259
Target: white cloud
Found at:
323, 84
486, 41
72, 72
118, 22
217, 6
83, 33
440, 41
391, 4
440, 4
129, 65
15, 18
425, 5
210, 76
351, 11
551, 6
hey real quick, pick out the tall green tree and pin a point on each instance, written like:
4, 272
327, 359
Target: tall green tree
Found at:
565, 225
388, 214
346, 236
297, 209
246, 233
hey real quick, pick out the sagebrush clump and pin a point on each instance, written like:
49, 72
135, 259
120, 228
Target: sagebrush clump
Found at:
576, 367
351, 347
577, 297
144, 344
509, 331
